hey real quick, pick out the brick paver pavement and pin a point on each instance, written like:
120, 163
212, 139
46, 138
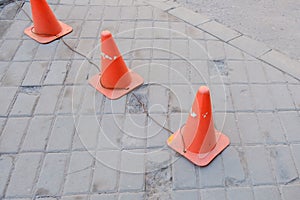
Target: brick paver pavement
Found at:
60, 139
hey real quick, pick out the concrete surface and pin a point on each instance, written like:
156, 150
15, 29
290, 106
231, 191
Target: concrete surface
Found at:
60, 139
274, 22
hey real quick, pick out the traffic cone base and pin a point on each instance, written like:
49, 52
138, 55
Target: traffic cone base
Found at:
137, 81
201, 159
44, 38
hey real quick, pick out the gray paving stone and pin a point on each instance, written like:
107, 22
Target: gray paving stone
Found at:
237, 71
132, 169
8, 49
24, 104
188, 16
290, 192
12, 134
215, 50
282, 97
295, 94
283, 62
218, 72
35, 73
92, 101
212, 175
44, 52
75, 197
181, 98
271, 128
80, 168
161, 30
158, 162
256, 73
250, 46
240, 193
143, 29
213, 194
106, 173
145, 12
37, 133
249, 129
23, 176
110, 13
3, 69
15, 74
62, 51
78, 73
26, 51
158, 99
179, 49
199, 72
126, 30
167, 5
259, 166
52, 175
57, 72
197, 50
156, 135
71, 99
104, 197
131, 196
15, 31
296, 154
266, 193
219, 30
62, 11
62, 134
141, 48
290, 123
90, 29
179, 72
221, 98
184, 174
178, 30
7, 95
283, 164
128, 13
110, 135
161, 51
241, 97
78, 12
233, 53
159, 72
227, 124
86, 135
95, 12
47, 102
233, 161
6, 163
262, 97
115, 106
185, 194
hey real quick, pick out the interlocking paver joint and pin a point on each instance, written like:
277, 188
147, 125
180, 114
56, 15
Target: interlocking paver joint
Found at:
60, 139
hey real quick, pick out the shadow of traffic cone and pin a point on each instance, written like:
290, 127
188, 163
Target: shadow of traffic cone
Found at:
198, 140
46, 27
115, 79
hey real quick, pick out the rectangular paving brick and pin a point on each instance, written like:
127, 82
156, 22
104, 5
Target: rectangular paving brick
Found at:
156, 135
47, 102
219, 30
183, 174
296, 154
185, 194
92, 101
213, 194
95, 12
131, 196
15, 31
283, 164
249, 134
259, 165
179, 48
24, 104
80, 168
291, 125
6, 163
35, 73
62, 11
197, 50
71, 99
8, 49
78, 12
212, 176
144, 12
250, 46
12, 134
271, 128
26, 51
181, 98
237, 71
106, 172
23, 176
37, 133
282, 97
295, 94
290, 191
240, 193
188, 16
215, 50
266, 193
44, 52
221, 98
104, 197
62, 51
233, 166
86, 135
256, 72
128, 12
7, 95
233, 53
57, 72
52, 174
262, 97
132, 171
75, 197
115, 106
15, 74
62, 134
158, 99
78, 72
241, 97
90, 29
110, 136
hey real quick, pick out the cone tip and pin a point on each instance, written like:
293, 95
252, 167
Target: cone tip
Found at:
105, 35
203, 90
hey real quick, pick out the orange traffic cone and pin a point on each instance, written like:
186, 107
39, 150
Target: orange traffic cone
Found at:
198, 140
46, 27
116, 80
